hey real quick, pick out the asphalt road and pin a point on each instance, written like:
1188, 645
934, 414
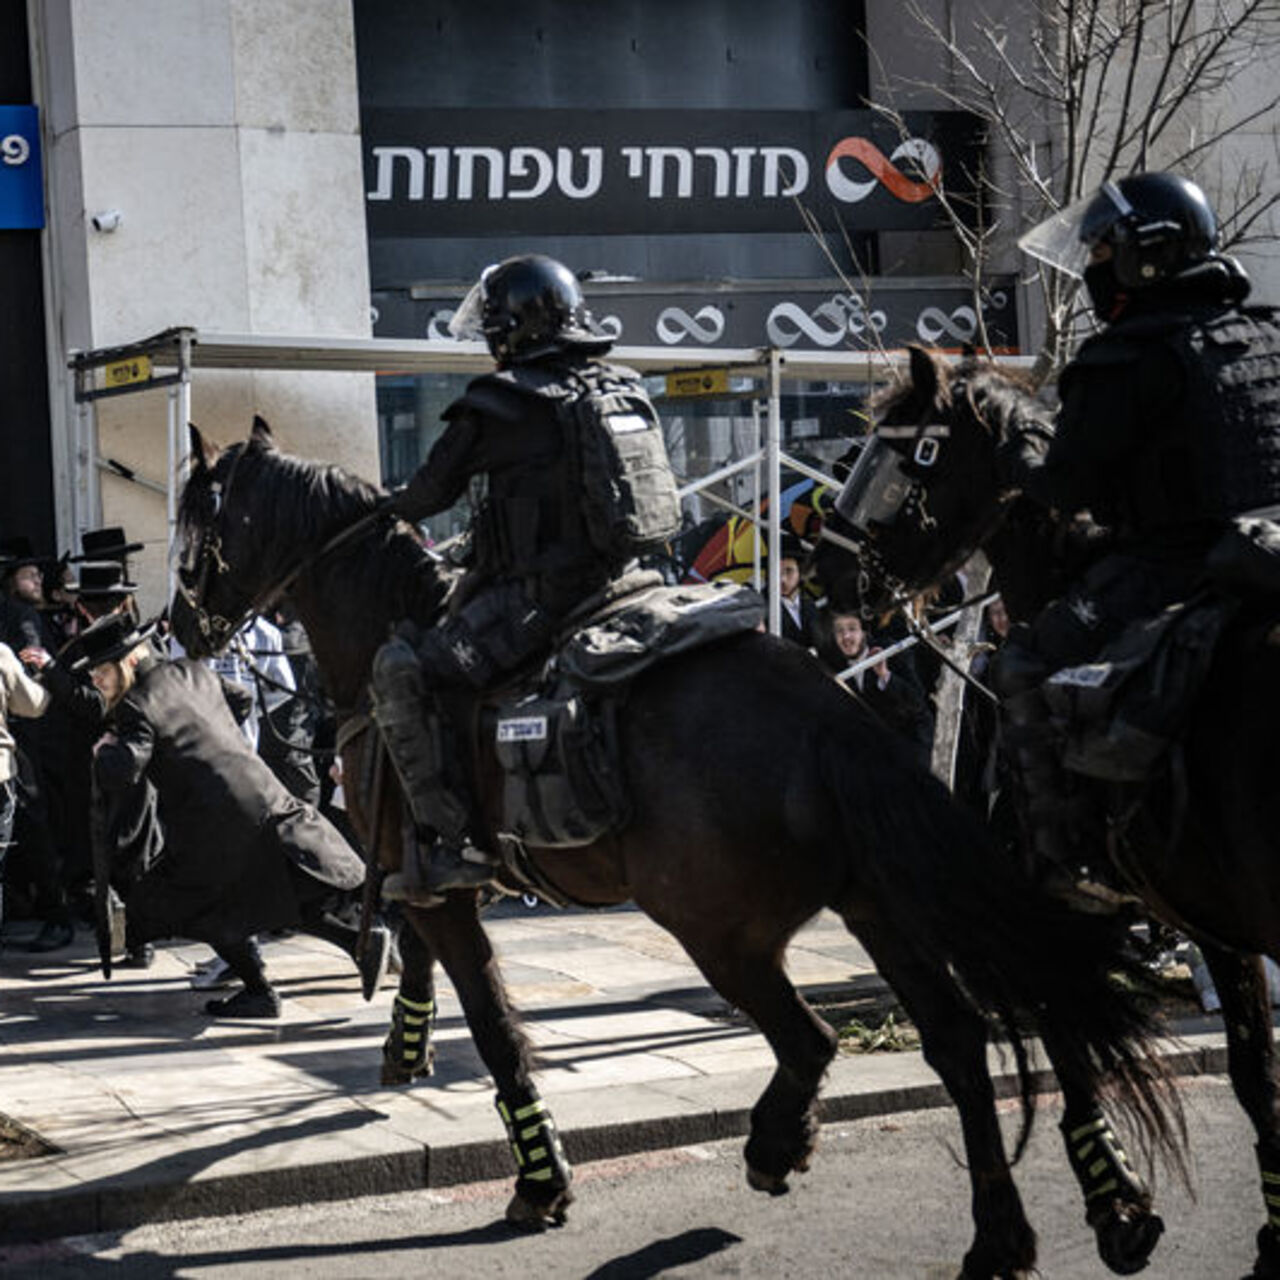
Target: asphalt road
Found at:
886, 1198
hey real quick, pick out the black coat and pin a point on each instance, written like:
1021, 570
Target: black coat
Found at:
231, 828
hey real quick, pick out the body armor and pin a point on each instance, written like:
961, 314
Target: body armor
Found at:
1214, 451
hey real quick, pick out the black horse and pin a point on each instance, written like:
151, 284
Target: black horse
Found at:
1215, 874
760, 795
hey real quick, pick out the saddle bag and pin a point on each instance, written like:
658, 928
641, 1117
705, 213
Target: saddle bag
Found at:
1122, 713
562, 783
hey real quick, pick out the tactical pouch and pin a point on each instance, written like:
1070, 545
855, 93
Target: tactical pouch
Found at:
562, 784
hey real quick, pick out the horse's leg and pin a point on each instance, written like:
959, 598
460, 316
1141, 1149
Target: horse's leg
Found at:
408, 1051
954, 1041
1246, 1017
784, 1123
458, 939
1117, 1201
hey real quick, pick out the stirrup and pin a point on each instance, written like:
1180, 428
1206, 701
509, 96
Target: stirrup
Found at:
452, 866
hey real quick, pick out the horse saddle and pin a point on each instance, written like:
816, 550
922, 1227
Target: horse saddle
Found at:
556, 735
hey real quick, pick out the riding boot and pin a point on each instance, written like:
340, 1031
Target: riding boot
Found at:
1058, 815
402, 708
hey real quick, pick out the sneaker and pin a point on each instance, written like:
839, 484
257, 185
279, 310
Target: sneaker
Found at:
213, 975
245, 1004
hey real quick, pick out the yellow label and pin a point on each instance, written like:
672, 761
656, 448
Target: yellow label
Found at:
122, 372
698, 382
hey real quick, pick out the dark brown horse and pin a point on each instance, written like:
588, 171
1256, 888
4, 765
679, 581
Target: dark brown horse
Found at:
760, 795
1215, 874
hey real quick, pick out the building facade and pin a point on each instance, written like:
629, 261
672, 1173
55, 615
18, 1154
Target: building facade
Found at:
346, 168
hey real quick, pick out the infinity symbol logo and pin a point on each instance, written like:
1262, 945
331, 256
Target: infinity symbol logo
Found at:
14, 149
923, 154
675, 323
932, 323
844, 316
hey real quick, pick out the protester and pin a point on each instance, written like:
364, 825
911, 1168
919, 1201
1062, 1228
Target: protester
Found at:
242, 856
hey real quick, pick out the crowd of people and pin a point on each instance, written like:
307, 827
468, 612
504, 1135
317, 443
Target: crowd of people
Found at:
106, 802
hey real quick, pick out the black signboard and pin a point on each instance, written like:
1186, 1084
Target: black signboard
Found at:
490, 172
798, 318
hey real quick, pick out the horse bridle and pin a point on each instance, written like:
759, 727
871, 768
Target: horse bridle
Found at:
218, 630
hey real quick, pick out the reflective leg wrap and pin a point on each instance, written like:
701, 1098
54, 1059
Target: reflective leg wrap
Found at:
411, 727
406, 1052
1101, 1166
540, 1158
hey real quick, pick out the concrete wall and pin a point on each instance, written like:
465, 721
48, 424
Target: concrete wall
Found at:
226, 133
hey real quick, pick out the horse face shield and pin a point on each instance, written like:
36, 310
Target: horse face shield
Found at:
889, 477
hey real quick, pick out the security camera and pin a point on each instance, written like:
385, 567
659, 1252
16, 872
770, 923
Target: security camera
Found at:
107, 220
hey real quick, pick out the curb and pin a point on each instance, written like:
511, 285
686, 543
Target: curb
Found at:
139, 1199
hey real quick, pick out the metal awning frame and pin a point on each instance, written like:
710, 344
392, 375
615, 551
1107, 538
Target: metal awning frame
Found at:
185, 350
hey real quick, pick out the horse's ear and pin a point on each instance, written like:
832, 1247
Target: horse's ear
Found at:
261, 433
924, 372
202, 452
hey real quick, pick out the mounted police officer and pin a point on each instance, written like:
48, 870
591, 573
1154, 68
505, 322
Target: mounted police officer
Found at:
1169, 426
536, 552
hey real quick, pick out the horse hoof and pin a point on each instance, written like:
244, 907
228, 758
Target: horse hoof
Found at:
1126, 1237
525, 1215
396, 1073
768, 1182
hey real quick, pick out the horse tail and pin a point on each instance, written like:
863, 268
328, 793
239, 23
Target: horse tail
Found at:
1021, 958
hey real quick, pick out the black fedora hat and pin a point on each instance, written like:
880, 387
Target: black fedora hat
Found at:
17, 552
110, 638
108, 543
101, 578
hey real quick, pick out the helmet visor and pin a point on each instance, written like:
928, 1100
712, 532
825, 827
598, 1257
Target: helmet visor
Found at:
1057, 240
1064, 240
467, 324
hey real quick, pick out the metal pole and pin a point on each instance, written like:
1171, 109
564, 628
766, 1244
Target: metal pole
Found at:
757, 542
773, 467
179, 416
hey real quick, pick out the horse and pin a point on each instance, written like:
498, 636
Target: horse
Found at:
1213, 875
760, 794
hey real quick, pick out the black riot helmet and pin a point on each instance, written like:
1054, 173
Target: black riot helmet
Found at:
528, 307
1157, 225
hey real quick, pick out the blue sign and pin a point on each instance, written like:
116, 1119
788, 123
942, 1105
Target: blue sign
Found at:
21, 184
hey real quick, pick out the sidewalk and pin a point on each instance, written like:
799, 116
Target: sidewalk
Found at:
155, 1111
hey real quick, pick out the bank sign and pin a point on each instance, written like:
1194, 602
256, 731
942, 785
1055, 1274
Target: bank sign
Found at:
444, 173
21, 184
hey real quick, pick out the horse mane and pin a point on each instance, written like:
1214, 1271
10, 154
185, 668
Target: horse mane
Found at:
300, 504
1000, 398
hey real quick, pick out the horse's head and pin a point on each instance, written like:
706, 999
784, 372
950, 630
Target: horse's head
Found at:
216, 579
925, 492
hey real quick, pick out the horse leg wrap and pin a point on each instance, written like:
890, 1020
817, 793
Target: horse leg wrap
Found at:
406, 1052
1101, 1166
540, 1159
1268, 1263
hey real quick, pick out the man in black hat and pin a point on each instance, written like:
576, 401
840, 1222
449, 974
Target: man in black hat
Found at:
799, 610
109, 543
242, 855
100, 589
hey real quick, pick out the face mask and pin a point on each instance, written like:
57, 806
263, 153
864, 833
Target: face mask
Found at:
1104, 290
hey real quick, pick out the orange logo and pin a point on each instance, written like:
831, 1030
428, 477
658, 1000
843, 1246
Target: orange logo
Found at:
924, 156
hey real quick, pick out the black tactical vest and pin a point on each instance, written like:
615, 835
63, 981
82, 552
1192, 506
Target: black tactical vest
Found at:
1214, 451
1231, 411
528, 526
